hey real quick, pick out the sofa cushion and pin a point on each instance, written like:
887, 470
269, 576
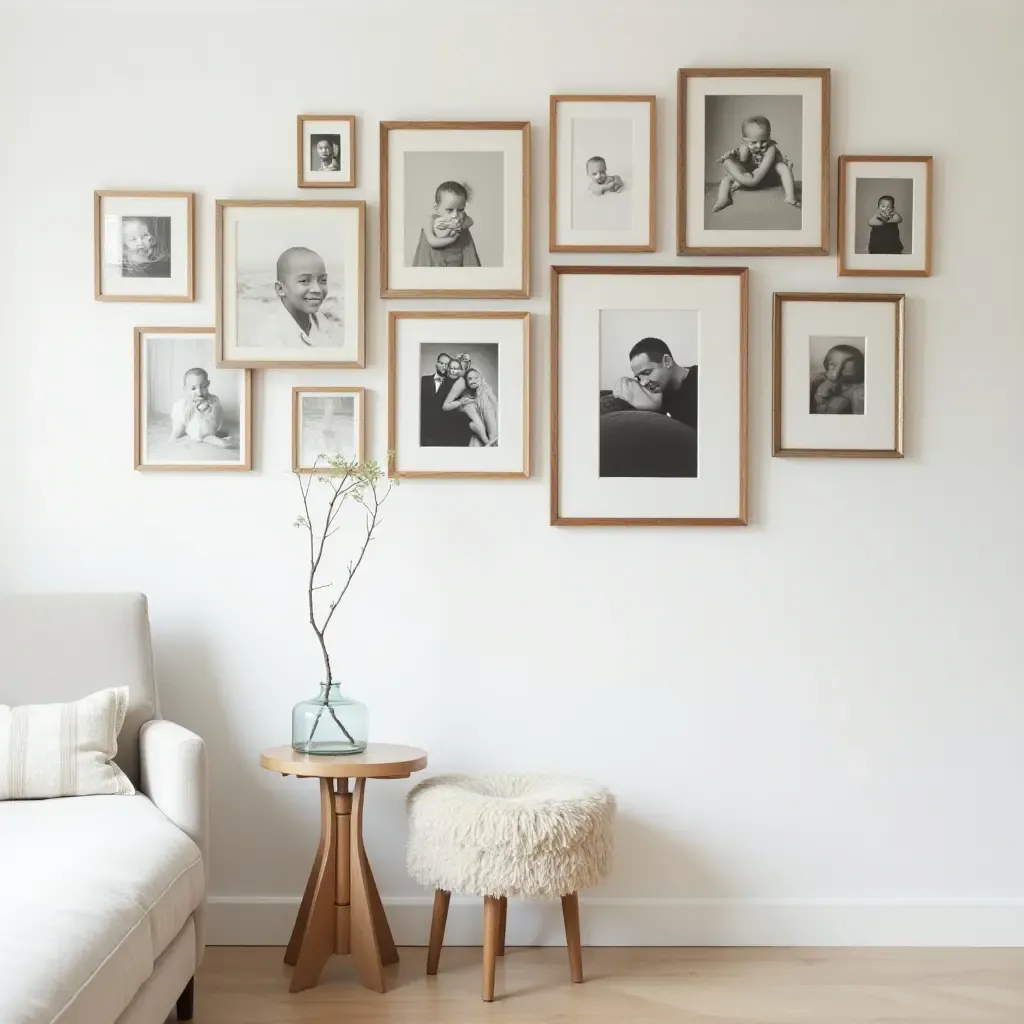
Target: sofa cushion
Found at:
93, 890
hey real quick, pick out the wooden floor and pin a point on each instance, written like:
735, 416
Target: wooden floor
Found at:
248, 985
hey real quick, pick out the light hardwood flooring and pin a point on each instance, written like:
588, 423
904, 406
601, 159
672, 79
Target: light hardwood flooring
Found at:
249, 985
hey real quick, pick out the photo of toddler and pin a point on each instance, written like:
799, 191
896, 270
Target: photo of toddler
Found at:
445, 238
756, 162
145, 246
600, 181
837, 383
198, 414
885, 228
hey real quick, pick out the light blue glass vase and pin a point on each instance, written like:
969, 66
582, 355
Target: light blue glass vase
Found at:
329, 723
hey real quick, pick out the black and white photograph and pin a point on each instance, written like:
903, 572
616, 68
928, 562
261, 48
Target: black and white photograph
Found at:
459, 396
835, 393
144, 246
292, 283
753, 161
326, 422
884, 207
454, 209
188, 413
458, 402
648, 395
837, 375
326, 150
602, 173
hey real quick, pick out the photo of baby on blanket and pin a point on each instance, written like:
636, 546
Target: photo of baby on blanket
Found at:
837, 376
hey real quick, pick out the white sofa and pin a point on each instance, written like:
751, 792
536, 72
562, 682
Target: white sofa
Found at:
101, 897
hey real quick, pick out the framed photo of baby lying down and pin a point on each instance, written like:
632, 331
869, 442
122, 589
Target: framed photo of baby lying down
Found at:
837, 375
602, 174
144, 246
885, 216
327, 421
753, 162
189, 414
459, 394
327, 150
290, 283
632, 350
455, 209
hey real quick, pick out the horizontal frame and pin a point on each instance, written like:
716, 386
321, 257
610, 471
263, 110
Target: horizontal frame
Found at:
557, 519
394, 316
190, 272
244, 466
844, 270
553, 174
234, 364
386, 291
682, 248
296, 431
301, 151
779, 299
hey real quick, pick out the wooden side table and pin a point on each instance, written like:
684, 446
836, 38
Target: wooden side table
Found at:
341, 911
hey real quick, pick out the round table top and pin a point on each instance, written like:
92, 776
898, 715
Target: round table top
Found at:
377, 761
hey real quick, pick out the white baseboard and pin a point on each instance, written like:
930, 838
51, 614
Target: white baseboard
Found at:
267, 921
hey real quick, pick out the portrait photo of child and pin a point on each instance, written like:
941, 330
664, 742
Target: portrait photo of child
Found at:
837, 375
326, 150
602, 157
885, 216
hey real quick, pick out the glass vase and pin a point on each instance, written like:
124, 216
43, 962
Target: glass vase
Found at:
329, 723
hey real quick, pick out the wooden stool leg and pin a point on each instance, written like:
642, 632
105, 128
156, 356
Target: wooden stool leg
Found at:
492, 922
437, 923
571, 917
501, 926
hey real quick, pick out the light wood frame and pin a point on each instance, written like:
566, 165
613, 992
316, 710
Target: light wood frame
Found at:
681, 163
297, 392
190, 271
844, 270
557, 519
256, 364
386, 291
350, 182
394, 316
245, 465
779, 300
553, 246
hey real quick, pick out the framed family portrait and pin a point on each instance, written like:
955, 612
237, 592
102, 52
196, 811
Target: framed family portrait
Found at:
753, 162
455, 209
649, 396
327, 421
189, 413
885, 216
327, 150
290, 283
602, 174
837, 375
459, 394
144, 246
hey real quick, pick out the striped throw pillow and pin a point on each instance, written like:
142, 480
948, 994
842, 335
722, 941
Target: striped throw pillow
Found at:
49, 750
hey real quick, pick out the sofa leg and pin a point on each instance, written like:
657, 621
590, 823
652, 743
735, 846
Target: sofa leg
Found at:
186, 1001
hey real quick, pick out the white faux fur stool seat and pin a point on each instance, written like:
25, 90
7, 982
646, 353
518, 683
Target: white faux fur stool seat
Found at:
501, 835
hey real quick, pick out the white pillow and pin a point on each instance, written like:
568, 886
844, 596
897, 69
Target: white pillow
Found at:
49, 750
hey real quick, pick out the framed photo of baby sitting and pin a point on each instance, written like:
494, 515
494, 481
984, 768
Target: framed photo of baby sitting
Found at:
753, 162
459, 394
455, 209
144, 246
837, 375
602, 174
885, 216
189, 414
326, 150
290, 283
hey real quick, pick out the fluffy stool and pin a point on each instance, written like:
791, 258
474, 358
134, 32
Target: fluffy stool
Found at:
501, 835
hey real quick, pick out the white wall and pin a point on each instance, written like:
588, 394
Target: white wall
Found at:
814, 724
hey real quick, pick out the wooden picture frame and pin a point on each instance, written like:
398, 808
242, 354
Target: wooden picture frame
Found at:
890, 316
141, 381
729, 306
511, 328
349, 245
855, 257
359, 418
812, 236
181, 278
571, 193
346, 156
401, 276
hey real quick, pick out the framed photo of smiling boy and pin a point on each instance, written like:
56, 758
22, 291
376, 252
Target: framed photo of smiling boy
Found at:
290, 283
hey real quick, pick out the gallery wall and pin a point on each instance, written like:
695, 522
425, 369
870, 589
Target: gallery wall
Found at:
813, 724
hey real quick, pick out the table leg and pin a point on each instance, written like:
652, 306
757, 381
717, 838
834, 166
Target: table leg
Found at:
291, 954
370, 950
